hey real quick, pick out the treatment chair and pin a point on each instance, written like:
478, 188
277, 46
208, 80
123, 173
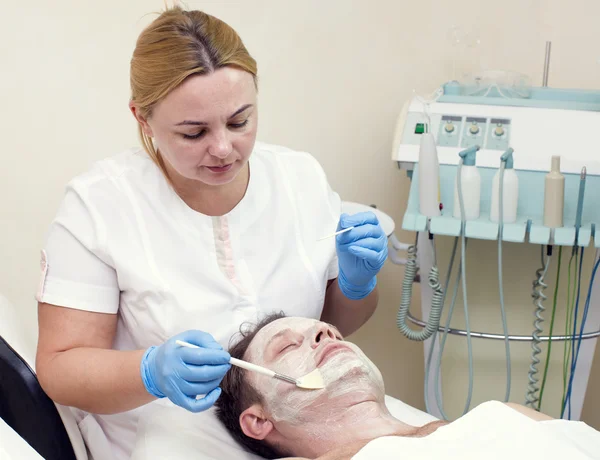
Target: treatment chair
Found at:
24, 405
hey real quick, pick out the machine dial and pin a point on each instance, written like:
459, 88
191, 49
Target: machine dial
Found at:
499, 131
474, 129
449, 127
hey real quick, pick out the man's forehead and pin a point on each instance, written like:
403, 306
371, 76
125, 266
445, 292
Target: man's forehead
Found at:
296, 324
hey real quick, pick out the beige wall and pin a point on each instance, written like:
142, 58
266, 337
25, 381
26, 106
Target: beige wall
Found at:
334, 75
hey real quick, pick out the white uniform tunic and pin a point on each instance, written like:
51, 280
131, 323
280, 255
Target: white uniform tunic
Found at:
124, 242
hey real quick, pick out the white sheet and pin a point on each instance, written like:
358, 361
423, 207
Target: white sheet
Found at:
492, 431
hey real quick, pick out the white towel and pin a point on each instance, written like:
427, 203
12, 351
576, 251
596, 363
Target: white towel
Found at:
492, 431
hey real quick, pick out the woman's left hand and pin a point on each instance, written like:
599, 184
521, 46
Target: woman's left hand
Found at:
361, 252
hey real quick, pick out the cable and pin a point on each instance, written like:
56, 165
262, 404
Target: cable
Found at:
500, 280
554, 301
568, 343
581, 329
575, 316
438, 365
464, 286
434, 337
437, 300
578, 217
461, 276
538, 294
438, 394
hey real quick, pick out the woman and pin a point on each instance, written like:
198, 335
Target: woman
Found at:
188, 238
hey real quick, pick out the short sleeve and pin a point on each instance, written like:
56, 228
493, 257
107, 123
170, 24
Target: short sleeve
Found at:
335, 209
76, 270
335, 205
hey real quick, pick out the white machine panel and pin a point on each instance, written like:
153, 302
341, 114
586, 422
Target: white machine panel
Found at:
536, 134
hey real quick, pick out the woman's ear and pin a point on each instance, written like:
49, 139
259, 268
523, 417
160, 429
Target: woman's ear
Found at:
254, 423
140, 119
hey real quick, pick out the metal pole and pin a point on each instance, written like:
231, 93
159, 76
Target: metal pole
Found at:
516, 338
547, 64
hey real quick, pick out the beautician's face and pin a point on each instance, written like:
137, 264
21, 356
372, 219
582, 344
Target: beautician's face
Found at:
295, 347
205, 129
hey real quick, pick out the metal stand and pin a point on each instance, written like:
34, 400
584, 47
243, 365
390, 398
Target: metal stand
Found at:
586, 352
516, 338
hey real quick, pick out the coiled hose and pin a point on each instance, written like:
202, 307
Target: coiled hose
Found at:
437, 301
531, 397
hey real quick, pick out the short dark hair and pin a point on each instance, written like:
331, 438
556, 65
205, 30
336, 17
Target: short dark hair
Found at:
238, 394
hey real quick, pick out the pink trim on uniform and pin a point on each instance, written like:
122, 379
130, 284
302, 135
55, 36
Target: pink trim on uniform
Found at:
44, 268
224, 251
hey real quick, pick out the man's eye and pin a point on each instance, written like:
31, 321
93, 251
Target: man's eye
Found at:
287, 347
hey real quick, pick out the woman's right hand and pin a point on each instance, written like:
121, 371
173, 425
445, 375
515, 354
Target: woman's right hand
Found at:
180, 373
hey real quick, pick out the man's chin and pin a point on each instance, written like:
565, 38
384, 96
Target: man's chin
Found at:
343, 367
352, 376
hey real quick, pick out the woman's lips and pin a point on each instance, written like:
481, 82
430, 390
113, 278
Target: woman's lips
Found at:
219, 169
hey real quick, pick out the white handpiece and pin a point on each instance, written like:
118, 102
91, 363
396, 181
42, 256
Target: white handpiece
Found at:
429, 177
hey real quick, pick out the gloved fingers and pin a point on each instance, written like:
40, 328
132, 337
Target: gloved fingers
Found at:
202, 404
200, 356
199, 338
360, 233
192, 373
193, 389
373, 258
358, 219
373, 243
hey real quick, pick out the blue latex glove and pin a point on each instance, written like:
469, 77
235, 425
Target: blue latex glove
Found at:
180, 373
361, 253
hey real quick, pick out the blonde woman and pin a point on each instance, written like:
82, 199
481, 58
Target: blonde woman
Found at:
186, 238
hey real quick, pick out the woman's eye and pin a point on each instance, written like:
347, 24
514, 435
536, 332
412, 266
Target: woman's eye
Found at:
239, 125
194, 136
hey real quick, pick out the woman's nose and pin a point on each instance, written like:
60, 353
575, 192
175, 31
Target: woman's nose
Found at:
323, 332
220, 146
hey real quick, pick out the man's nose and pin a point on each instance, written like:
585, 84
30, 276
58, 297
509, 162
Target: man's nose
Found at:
220, 145
323, 333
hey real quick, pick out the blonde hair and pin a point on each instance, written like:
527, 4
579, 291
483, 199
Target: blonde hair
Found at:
174, 46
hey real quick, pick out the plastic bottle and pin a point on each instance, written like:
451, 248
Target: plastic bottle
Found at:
429, 177
554, 196
510, 192
470, 185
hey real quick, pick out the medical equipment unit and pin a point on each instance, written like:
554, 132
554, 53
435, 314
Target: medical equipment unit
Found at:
513, 165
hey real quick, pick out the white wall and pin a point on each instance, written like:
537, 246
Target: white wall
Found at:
333, 77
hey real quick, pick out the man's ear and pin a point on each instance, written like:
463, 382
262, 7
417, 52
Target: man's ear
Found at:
254, 422
141, 120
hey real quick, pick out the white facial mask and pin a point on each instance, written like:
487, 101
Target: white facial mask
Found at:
349, 376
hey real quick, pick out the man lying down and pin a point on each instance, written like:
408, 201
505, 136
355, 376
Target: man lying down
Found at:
348, 419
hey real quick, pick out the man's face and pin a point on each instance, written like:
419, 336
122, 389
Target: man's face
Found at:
295, 347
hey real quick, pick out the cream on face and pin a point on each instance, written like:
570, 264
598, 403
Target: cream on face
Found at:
295, 347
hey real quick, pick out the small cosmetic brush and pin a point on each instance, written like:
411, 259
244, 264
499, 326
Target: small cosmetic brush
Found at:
311, 381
